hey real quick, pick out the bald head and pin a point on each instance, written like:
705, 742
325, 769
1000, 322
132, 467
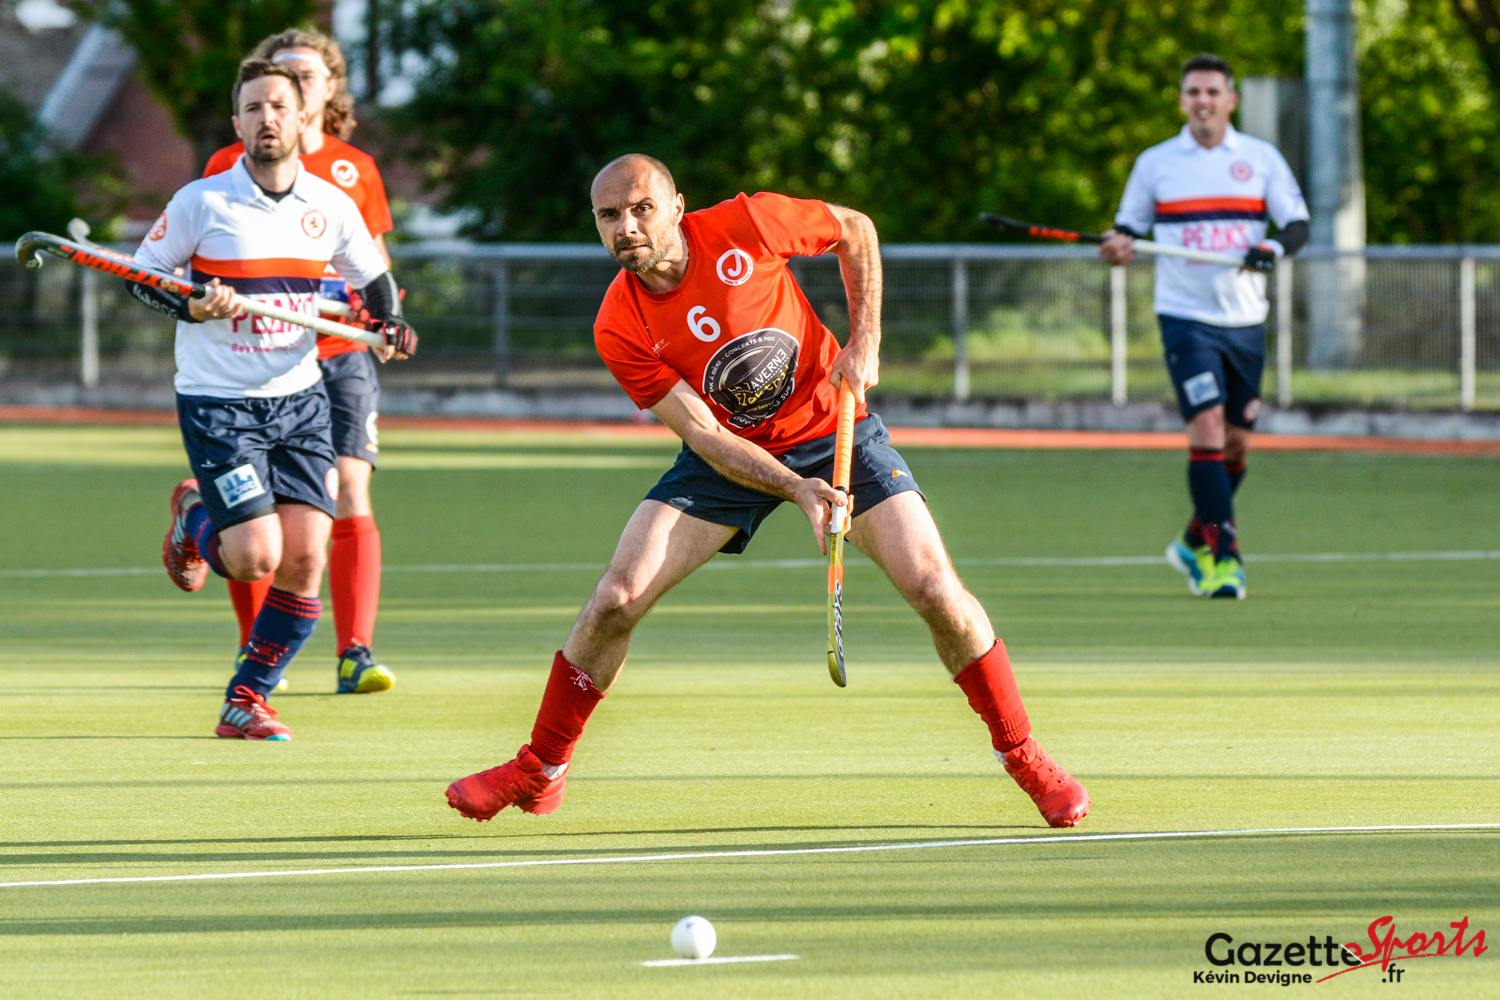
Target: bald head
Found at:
637, 209
635, 166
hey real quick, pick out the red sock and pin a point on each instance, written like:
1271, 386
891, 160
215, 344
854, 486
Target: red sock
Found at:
247, 599
354, 580
992, 692
566, 705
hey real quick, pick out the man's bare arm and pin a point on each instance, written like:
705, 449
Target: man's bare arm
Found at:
864, 282
742, 461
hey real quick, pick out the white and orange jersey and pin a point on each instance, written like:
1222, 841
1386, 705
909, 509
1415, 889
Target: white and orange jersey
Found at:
1210, 199
226, 227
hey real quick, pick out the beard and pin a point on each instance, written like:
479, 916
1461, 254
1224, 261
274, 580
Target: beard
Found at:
269, 156
641, 264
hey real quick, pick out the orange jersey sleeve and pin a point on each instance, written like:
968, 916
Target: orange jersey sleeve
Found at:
223, 159
624, 342
794, 227
355, 173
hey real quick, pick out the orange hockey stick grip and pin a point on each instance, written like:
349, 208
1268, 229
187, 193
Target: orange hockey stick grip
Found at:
843, 442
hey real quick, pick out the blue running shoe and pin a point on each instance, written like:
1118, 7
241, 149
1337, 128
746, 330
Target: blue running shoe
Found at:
1195, 564
360, 674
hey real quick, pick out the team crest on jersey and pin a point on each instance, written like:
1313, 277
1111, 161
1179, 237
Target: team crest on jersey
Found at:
345, 174
159, 230
735, 267
1241, 171
751, 376
314, 222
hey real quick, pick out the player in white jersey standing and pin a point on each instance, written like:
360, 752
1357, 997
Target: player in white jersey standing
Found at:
250, 398
1212, 188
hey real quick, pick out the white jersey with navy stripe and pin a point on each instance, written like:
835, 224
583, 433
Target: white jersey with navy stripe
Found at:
1210, 199
226, 227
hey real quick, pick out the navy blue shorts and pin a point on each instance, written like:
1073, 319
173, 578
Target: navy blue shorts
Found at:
354, 397
250, 453
1215, 366
876, 473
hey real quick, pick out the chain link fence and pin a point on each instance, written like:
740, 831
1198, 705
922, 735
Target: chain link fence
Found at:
1419, 328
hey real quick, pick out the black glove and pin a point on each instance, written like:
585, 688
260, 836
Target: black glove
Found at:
398, 334
1261, 258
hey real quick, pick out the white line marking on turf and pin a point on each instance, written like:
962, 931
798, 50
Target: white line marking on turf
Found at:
772, 852
1269, 557
661, 962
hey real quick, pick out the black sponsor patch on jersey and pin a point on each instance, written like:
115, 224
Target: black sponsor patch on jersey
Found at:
751, 376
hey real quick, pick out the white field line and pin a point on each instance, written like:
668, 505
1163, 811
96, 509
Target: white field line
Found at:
661, 962
719, 564
1059, 838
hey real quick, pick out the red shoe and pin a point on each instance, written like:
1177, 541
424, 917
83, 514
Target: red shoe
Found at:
246, 716
521, 783
1063, 801
178, 551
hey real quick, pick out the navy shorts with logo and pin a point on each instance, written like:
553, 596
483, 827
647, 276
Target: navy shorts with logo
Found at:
1215, 366
250, 453
354, 397
877, 472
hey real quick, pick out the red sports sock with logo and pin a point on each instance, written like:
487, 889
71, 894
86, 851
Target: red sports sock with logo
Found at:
354, 580
247, 599
993, 694
566, 706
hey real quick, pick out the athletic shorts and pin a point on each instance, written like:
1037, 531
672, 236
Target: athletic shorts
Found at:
353, 396
250, 453
877, 472
1215, 366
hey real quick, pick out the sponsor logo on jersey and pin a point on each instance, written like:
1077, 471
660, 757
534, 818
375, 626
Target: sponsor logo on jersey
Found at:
158, 231
751, 376
735, 267
1241, 171
314, 222
238, 485
345, 174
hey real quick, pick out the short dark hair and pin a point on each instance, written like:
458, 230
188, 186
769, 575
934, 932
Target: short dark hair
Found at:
254, 69
1208, 62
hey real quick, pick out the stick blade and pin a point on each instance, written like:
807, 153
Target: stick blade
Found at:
836, 610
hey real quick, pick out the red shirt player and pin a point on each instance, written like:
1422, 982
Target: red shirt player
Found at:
348, 371
708, 329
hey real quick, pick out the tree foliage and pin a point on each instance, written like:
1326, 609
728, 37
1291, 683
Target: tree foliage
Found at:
920, 112
39, 183
190, 51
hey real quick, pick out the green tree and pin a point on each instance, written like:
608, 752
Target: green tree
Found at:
39, 183
190, 50
1431, 138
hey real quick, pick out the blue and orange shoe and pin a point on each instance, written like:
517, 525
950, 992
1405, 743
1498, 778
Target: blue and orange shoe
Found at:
1197, 564
523, 783
1060, 798
179, 553
246, 716
358, 673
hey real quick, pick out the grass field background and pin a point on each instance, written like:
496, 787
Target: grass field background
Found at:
1338, 694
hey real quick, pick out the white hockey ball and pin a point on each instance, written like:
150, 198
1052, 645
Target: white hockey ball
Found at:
694, 937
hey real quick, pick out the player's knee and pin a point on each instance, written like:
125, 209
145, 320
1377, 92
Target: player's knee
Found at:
617, 600
301, 568
935, 593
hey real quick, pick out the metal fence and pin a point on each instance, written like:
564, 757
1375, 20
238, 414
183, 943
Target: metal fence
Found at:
962, 321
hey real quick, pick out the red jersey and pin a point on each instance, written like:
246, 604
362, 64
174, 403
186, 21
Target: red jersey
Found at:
354, 172
738, 328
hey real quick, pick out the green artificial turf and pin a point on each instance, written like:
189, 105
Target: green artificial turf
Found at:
1339, 694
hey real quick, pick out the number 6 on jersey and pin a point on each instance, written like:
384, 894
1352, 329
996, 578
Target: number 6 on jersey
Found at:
838, 527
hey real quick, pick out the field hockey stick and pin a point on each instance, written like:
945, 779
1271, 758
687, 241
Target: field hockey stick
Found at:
1144, 246
30, 246
838, 527
78, 232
